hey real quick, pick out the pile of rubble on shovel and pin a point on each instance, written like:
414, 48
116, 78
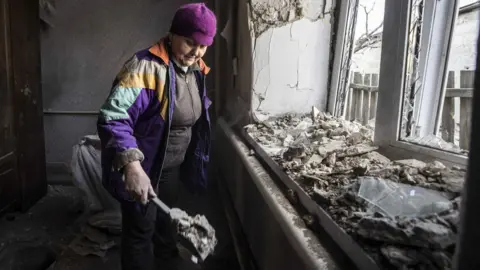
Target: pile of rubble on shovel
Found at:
404, 213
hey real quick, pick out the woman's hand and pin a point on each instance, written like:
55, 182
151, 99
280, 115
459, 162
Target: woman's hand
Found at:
138, 183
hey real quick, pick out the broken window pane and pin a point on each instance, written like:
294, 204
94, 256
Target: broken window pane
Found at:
400, 200
456, 114
437, 102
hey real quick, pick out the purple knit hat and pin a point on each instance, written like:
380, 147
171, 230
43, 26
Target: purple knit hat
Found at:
195, 21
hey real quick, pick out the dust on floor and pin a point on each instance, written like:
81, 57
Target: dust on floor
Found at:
45, 233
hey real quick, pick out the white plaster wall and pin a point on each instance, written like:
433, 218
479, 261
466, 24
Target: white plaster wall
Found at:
290, 67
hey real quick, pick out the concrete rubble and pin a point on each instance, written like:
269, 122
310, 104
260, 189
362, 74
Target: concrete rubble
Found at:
329, 157
196, 230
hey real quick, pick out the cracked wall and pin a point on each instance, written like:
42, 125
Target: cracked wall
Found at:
291, 55
274, 13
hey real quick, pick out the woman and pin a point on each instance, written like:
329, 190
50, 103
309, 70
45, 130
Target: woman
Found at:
154, 123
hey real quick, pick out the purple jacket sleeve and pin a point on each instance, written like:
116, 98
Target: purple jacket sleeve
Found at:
131, 94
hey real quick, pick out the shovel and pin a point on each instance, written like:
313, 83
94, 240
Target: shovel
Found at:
196, 234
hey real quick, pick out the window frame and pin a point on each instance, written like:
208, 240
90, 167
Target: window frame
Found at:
340, 76
437, 25
392, 75
392, 82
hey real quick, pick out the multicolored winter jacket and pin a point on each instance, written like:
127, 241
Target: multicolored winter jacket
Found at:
134, 122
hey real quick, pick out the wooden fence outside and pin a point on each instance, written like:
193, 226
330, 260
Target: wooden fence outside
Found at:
362, 96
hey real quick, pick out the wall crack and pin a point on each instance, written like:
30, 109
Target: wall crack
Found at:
262, 96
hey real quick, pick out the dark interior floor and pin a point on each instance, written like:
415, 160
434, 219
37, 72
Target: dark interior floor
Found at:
40, 238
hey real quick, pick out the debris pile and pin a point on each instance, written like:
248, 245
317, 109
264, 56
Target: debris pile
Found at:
98, 235
404, 213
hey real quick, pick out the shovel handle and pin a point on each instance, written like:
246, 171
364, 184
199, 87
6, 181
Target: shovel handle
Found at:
161, 205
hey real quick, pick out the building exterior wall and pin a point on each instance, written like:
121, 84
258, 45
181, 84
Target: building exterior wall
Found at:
462, 54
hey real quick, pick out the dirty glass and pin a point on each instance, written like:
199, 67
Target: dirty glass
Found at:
400, 200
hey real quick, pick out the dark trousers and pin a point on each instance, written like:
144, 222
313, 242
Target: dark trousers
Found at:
149, 234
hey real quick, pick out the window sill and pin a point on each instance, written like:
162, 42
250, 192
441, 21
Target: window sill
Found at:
405, 150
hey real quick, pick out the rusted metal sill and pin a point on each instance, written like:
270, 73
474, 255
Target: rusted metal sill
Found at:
345, 242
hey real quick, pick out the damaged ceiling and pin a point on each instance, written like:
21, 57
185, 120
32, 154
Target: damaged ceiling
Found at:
404, 213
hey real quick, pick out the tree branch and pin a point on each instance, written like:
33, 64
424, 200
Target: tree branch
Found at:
369, 38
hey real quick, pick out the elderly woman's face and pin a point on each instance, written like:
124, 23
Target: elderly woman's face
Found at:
186, 51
